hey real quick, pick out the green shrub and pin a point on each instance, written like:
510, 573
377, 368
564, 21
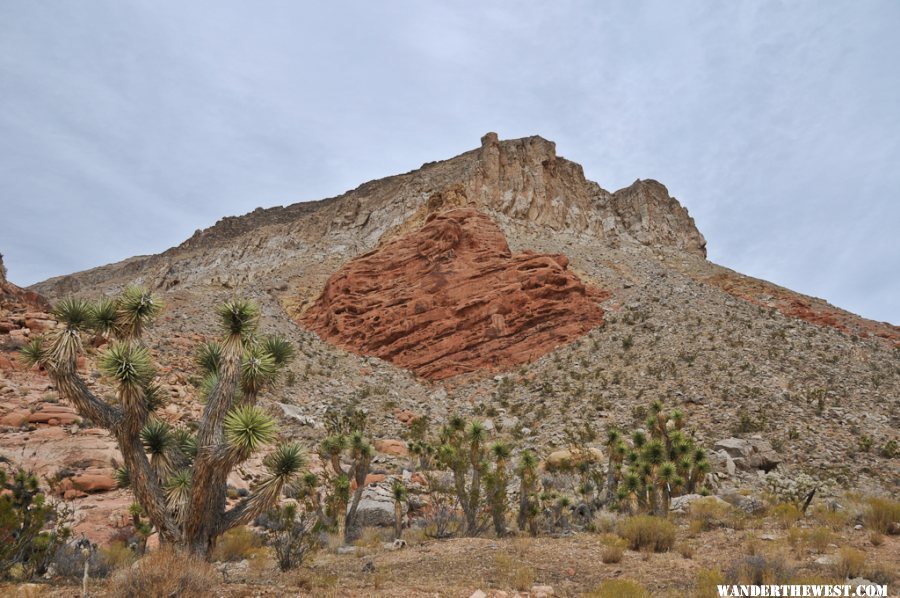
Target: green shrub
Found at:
648, 532
25, 545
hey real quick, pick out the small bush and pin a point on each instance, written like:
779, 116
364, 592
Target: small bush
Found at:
758, 570
686, 550
818, 539
850, 563
613, 549
513, 572
166, 573
707, 584
708, 513
876, 539
883, 515
619, 588
786, 514
833, 518
236, 544
648, 532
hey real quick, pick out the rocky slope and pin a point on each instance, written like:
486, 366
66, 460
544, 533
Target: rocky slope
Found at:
741, 357
451, 298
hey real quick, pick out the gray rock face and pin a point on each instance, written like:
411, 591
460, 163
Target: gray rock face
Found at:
376, 508
749, 454
682, 503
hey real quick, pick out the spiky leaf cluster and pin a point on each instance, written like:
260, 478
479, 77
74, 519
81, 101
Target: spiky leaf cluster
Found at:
658, 463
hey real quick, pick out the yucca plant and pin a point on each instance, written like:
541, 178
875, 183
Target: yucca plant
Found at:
462, 451
345, 442
666, 464
398, 491
177, 477
495, 485
528, 481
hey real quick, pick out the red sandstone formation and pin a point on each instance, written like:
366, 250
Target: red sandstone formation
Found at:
794, 305
451, 298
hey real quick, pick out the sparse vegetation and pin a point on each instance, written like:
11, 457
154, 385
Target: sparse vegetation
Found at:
648, 532
166, 573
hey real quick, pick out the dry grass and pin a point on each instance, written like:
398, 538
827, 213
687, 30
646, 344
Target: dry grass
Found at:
513, 573
881, 513
685, 549
850, 563
707, 583
818, 539
832, 518
786, 514
708, 513
876, 539
648, 532
236, 544
619, 588
166, 573
613, 548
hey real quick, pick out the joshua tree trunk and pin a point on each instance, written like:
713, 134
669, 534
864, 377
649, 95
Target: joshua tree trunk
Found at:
398, 519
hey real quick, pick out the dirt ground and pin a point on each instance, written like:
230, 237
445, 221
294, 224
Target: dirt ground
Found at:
571, 565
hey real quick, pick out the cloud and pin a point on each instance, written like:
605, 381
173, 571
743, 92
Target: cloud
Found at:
773, 122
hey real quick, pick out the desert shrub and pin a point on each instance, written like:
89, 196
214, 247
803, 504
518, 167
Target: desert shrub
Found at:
236, 544
25, 545
513, 572
708, 513
850, 563
164, 574
818, 538
613, 548
68, 562
619, 588
686, 550
648, 532
831, 517
293, 535
758, 570
707, 583
786, 514
882, 515
876, 539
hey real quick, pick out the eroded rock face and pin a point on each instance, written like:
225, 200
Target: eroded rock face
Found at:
452, 298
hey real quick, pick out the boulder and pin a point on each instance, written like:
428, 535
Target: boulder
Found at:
749, 454
387, 446
376, 508
566, 458
682, 504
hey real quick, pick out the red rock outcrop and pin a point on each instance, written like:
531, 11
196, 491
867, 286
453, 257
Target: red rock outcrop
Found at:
452, 298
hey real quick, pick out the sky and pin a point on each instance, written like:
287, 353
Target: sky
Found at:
126, 125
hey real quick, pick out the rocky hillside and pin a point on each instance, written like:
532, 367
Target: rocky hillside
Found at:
503, 284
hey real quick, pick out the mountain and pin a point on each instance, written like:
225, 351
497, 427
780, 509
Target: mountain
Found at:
501, 283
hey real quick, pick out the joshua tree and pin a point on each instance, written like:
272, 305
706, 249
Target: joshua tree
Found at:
181, 486
659, 467
399, 492
528, 506
495, 482
346, 439
462, 451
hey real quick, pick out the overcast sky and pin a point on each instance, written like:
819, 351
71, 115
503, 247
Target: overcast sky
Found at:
125, 126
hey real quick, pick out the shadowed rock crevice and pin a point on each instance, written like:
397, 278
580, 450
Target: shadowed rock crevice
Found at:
452, 298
